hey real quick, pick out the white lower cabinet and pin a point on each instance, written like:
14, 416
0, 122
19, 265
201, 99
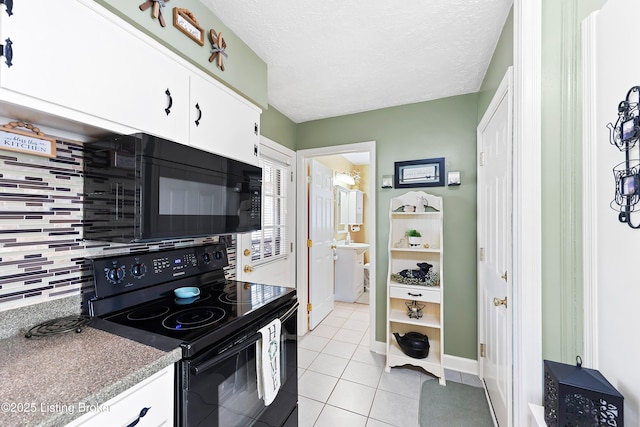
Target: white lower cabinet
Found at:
349, 275
156, 394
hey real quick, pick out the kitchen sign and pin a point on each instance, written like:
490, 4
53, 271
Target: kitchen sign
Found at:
34, 142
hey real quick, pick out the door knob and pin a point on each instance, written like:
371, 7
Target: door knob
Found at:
247, 252
248, 269
504, 276
498, 302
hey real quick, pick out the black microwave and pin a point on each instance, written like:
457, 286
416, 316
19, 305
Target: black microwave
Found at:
141, 188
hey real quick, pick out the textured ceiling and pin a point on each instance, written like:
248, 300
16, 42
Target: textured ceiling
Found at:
334, 57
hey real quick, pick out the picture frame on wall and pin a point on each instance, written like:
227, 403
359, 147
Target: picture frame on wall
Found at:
184, 21
419, 173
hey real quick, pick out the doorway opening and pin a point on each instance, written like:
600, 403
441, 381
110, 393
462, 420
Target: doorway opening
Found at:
350, 160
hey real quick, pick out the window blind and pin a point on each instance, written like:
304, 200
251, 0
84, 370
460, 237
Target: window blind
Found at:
272, 241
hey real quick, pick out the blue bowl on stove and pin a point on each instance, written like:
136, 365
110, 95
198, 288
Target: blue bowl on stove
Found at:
188, 292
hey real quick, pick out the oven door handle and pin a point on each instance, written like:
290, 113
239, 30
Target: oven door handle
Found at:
248, 342
290, 312
229, 352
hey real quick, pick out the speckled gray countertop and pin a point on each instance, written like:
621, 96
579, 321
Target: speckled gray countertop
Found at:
44, 381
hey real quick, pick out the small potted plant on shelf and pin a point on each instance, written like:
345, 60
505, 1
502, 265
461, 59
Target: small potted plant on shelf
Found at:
414, 238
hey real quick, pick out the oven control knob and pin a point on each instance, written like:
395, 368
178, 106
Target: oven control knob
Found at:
218, 255
206, 257
115, 274
138, 270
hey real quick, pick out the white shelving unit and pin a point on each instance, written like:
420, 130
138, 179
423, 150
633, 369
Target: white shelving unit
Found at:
428, 221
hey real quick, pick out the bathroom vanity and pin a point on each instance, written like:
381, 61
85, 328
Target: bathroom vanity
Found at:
349, 271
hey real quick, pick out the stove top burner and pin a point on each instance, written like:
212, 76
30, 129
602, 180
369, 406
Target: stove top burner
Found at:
231, 298
58, 326
193, 318
146, 313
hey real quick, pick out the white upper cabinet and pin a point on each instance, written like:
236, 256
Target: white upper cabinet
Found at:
76, 58
355, 206
83, 63
223, 123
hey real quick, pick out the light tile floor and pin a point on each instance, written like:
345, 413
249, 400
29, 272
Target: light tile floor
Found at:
342, 383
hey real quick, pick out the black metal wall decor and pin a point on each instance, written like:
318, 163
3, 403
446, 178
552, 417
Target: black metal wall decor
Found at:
624, 135
577, 396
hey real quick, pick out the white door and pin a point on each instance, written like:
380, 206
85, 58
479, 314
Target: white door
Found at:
495, 248
267, 255
321, 278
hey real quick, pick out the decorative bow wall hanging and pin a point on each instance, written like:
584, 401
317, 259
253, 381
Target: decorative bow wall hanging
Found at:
156, 11
218, 48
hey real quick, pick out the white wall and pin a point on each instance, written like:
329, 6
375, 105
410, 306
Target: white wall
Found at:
617, 246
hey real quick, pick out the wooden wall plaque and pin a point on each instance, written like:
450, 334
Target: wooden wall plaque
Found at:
31, 142
186, 22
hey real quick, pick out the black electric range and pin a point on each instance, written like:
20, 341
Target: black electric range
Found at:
218, 379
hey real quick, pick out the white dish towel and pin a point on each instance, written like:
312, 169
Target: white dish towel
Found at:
268, 362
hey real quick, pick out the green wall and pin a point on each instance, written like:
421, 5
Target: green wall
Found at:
441, 128
278, 128
562, 281
244, 71
501, 60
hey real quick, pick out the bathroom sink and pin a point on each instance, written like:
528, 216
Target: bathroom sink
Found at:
358, 247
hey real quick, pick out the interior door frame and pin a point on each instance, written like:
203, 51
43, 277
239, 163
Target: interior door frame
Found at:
589, 202
527, 212
302, 219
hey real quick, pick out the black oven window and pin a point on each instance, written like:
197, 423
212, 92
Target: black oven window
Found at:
227, 394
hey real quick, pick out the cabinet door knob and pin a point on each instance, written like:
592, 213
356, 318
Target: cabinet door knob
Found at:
9, 5
199, 114
143, 412
168, 109
6, 50
248, 269
247, 252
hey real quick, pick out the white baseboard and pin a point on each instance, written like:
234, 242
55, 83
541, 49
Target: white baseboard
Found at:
380, 347
455, 363
461, 364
